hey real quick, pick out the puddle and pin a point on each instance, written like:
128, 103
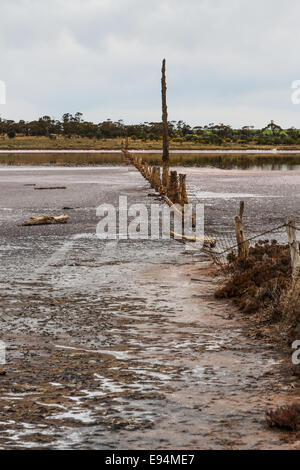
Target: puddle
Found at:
116, 354
77, 415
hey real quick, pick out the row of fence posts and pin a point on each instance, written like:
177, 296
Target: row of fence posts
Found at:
167, 183
172, 188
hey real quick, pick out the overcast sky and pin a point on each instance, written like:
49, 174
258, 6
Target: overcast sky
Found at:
230, 61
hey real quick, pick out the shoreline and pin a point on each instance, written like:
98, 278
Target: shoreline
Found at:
213, 151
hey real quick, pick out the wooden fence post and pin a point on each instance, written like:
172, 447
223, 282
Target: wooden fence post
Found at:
173, 189
294, 245
157, 181
243, 244
182, 188
165, 175
151, 178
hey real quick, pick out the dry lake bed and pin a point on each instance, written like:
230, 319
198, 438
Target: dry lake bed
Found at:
122, 345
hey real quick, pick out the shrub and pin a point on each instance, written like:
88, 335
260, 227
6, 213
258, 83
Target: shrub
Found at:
285, 417
11, 134
260, 280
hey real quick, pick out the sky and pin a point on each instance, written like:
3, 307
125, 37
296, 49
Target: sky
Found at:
229, 61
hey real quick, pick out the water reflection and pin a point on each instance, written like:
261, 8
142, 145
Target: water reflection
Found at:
232, 162
226, 161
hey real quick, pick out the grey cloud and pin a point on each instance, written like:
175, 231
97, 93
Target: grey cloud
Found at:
103, 57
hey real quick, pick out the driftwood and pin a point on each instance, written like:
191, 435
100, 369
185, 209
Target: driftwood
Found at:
47, 220
207, 241
171, 204
178, 211
50, 187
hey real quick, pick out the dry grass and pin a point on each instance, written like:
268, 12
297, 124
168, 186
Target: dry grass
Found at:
79, 159
263, 286
286, 417
59, 143
290, 302
62, 142
259, 282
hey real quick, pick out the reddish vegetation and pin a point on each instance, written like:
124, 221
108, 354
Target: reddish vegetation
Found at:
263, 284
285, 417
259, 281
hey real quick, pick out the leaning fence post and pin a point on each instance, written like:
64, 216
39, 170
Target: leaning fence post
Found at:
243, 244
294, 246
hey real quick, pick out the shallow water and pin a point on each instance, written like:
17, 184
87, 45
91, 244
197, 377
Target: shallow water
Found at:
224, 159
214, 151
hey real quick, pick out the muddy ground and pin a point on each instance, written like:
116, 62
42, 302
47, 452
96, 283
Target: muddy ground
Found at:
122, 345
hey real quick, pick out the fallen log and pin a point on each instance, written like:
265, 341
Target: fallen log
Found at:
176, 210
50, 187
47, 219
208, 241
188, 238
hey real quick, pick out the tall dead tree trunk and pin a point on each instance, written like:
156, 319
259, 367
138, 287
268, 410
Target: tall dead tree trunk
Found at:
165, 157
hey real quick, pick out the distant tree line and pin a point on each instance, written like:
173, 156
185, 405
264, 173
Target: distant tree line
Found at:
179, 131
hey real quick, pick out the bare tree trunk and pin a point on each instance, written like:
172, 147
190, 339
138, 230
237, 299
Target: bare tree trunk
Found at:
165, 157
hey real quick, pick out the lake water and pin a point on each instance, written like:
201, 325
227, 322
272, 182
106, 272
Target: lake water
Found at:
287, 160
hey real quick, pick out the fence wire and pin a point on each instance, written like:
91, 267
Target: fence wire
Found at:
226, 243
